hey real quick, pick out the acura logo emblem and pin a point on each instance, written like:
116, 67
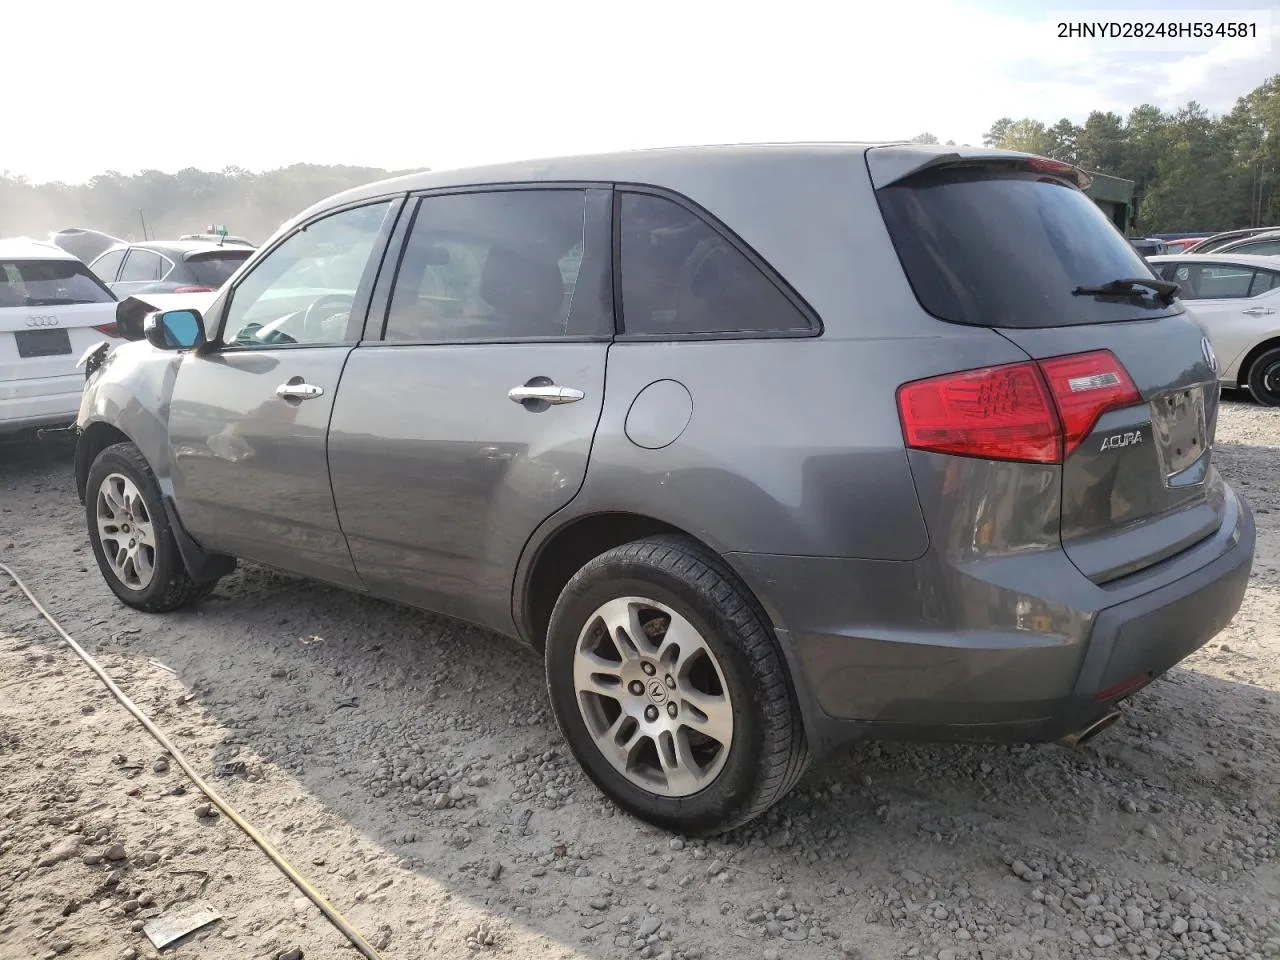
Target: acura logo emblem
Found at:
42, 321
1209, 356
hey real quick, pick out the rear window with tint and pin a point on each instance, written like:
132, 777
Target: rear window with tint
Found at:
48, 283
1006, 249
214, 269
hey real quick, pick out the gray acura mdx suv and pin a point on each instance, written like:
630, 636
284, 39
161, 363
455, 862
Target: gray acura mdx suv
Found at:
765, 447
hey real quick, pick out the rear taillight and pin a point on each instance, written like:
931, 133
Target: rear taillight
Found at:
108, 329
194, 290
1032, 412
1085, 386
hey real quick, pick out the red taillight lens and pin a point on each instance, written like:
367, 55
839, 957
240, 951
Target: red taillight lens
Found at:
1000, 413
1085, 386
194, 290
1032, 412
108, 329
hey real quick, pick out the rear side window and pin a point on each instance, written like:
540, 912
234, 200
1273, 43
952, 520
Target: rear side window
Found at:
215, 269
1264, 281
505, 265
143, 265
1007, 249
682, 276
49, 283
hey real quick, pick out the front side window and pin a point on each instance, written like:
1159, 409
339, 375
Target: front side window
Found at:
304, 290
682, 276
49, 283
504, 265
143, 266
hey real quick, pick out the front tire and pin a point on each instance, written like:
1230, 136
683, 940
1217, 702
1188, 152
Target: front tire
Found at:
668, 684
1264, 378
131, 536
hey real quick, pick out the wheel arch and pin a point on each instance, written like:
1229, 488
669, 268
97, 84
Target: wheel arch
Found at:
552, 558
1242, 372
93, 439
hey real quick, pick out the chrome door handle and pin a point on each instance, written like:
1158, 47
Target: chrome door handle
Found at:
1258, 312
298, 391
550, 394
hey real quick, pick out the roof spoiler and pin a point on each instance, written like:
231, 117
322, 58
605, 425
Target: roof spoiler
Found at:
896, 162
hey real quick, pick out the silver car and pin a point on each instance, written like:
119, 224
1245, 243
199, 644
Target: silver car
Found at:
763, 447
1236, 298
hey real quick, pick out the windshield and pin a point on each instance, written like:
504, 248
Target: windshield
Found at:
214, 269
47, 283
1007, 249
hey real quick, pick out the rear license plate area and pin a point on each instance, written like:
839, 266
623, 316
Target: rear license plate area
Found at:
1180, 425
42, 343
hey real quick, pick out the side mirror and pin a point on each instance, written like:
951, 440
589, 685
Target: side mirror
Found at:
174, 330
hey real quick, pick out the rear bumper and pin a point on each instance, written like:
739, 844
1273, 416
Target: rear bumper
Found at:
1028, 651
40, 401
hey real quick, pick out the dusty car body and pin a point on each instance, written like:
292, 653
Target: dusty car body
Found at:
825, 490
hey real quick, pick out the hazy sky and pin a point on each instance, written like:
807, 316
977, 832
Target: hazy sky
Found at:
164, 85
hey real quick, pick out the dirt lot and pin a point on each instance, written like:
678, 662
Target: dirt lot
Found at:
409, 766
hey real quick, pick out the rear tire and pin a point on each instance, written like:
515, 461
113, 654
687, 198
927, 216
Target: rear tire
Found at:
668, 684
1264, 378
131, 535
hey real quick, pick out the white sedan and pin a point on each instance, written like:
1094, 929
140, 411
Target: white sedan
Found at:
1236, 298
52, 309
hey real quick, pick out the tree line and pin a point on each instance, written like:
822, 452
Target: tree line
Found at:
1192, 171
249, 204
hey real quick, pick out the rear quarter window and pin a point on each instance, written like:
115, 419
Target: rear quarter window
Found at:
681, 276
1006, 249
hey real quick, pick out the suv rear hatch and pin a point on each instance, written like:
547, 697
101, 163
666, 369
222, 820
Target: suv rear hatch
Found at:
51, 311
1116, 367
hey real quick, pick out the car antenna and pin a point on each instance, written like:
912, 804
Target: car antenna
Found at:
144, 224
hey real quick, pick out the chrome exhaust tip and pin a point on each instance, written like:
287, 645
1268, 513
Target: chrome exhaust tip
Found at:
1085, 734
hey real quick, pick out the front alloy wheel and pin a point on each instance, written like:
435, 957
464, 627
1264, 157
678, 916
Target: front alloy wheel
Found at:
130, 534
125, 532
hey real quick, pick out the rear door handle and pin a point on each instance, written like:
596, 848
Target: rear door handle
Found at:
298, 391
550, 393
1259, 312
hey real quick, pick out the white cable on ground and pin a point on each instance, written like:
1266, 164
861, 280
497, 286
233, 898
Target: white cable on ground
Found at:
285, 867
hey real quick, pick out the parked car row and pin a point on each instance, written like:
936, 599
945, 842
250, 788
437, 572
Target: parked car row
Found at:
53, 307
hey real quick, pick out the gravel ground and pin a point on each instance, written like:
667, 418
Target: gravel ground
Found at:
409, 766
